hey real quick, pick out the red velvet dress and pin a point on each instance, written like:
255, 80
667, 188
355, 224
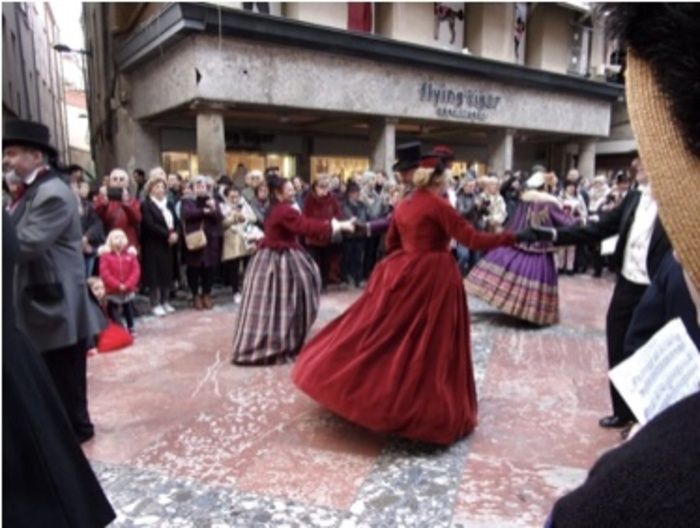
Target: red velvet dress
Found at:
399, 359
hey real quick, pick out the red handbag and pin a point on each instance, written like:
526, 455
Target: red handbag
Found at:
114, 337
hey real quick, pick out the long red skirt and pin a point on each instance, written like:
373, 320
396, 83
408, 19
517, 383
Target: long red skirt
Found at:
399, 359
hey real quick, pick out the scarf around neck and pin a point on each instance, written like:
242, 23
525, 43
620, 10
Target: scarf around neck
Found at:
163, 206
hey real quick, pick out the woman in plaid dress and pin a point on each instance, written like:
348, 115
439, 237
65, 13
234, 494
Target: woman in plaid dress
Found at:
282, 286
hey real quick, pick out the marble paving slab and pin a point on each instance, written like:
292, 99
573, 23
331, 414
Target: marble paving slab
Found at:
184, 438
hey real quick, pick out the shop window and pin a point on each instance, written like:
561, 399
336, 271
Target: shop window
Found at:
343, 167
186, 164
183, 163
260, 161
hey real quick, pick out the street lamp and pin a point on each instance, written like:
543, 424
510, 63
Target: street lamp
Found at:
62, 48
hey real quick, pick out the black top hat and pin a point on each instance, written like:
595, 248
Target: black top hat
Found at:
408, 156
27, 134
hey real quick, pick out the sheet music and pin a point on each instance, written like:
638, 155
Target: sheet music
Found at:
660, 373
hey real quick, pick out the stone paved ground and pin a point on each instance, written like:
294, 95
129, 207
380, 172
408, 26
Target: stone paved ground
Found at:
186, 439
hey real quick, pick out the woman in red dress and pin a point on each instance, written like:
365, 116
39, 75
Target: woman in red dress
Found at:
282, 285
399, 359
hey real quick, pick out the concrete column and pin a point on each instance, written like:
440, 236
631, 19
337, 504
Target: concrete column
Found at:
586, 159
304, 159
382, 138
501, 151
211, 144
135, 144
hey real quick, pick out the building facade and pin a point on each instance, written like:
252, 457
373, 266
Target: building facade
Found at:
79, 148
321, 87
32, 78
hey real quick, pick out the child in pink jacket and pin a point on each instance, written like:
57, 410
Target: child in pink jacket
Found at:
120, 271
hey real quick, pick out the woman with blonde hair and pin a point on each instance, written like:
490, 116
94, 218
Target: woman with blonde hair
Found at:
411, 373
120, 271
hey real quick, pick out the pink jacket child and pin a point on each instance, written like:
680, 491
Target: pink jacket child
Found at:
119, 267
120, 271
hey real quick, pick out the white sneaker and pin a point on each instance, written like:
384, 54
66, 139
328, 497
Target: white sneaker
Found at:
158, 311
168, 308
237, 298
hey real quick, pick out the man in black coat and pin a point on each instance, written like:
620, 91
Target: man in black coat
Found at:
667, 298
641, 246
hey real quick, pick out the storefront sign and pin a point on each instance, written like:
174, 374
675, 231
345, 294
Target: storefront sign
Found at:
471, 105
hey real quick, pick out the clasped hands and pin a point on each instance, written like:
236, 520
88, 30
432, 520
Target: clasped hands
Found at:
347, 226
536, 234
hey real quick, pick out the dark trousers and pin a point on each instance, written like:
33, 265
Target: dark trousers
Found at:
68, 368
370, 256
353, 249
233, 272
322, 256
115, 310
596, 260
625, 299
200, 275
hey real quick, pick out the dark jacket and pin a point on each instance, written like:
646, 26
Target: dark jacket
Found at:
665, 299
618, 221
261, 209
648, 482
92, 227
359, 210
468, 209
194, 218
156, 253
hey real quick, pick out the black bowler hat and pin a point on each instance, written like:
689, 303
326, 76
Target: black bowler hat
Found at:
408, 156
27, 134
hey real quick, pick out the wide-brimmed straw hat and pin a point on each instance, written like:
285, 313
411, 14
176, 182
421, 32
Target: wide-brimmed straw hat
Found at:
672, 168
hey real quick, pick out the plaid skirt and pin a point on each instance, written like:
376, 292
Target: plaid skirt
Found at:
519, 283
281, 295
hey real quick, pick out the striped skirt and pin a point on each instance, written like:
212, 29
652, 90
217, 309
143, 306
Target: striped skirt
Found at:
519, 283
281, 294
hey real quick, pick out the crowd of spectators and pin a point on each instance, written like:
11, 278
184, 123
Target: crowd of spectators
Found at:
159, 214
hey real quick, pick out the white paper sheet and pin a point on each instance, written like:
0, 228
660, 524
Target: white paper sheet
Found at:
607, 246
660, 373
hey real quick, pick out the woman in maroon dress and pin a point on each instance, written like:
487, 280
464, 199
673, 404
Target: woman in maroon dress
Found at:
282, 285
321, 204
399, 360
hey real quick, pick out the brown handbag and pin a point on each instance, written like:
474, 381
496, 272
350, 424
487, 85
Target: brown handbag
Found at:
196, 239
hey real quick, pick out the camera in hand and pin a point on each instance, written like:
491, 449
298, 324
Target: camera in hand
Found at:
115, 193
202, 201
